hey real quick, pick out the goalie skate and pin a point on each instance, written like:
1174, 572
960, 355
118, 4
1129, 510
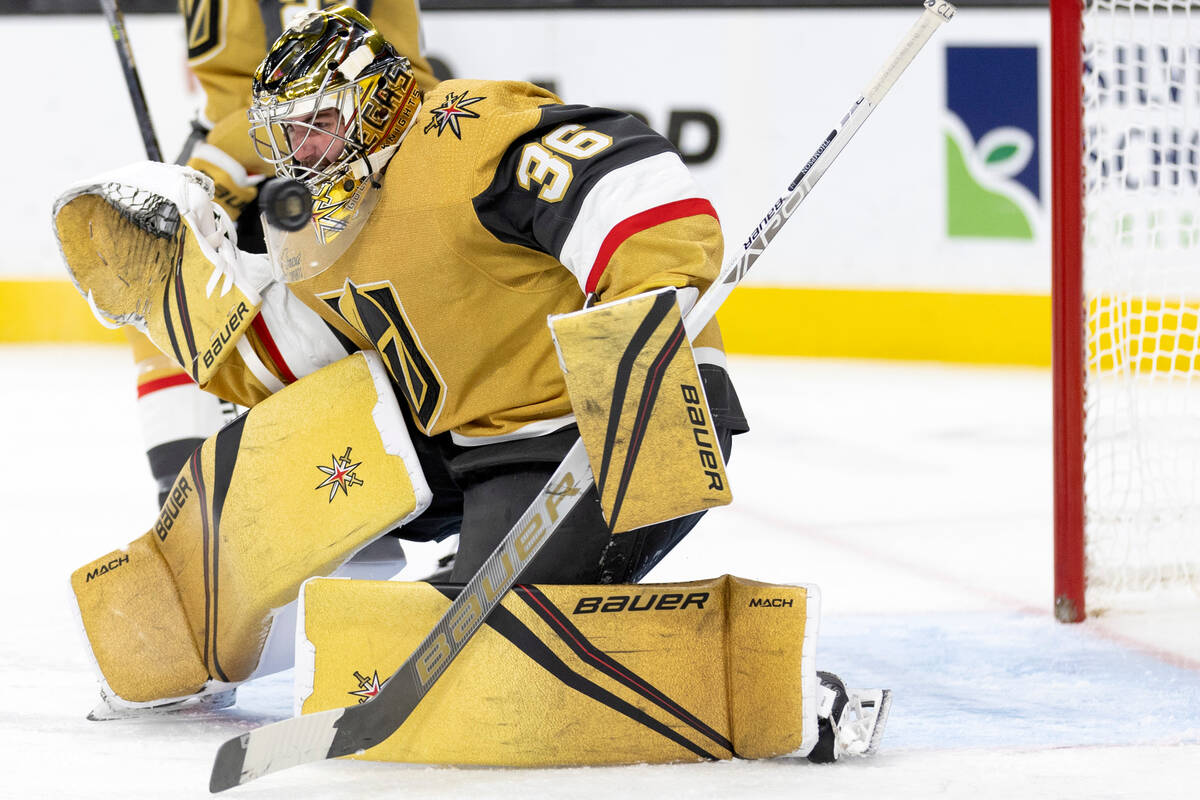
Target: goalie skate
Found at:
850, 721
213, 698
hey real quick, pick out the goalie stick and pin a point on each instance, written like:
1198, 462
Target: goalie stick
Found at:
345, 731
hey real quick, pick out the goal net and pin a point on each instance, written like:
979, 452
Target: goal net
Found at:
1127, 304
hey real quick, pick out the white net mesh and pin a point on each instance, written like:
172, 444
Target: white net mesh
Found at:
150, 211
1142, 284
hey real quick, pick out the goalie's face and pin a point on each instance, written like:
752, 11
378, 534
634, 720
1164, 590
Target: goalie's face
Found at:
317, 140
313, 140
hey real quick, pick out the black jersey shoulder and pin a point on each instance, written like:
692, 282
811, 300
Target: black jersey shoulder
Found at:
517, 215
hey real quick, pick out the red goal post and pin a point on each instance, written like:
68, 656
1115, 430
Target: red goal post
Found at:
1125, 118
1068, 314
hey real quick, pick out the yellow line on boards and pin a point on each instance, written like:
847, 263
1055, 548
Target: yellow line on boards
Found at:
757, 320
48, 312
903, 325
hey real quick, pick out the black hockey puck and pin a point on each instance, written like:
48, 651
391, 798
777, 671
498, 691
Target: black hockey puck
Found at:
287, 204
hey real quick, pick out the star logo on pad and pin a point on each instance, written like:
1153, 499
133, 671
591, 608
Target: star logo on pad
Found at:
448, 113
367, 687
340, 475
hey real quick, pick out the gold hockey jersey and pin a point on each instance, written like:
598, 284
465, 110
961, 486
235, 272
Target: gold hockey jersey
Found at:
504, 206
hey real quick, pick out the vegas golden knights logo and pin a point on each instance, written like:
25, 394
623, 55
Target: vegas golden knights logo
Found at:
368, 688
375, 311
203, 21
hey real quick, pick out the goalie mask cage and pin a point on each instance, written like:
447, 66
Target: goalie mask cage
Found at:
1126, 304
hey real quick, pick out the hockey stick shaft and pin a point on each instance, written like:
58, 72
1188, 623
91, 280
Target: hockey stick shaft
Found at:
116, 24
936, 12
343, 731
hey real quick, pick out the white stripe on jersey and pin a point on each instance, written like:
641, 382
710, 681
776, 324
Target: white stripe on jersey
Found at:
533, 429
304, 340
219, 158
616, 197
184, 411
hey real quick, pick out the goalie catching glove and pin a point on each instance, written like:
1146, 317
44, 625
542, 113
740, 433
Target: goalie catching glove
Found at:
147, 246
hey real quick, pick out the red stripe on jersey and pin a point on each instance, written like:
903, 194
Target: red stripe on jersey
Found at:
639, 222
268, 342
158, 384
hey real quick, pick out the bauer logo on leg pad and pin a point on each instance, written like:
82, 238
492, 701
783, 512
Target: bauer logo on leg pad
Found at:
639, 602
641, 410
172, 507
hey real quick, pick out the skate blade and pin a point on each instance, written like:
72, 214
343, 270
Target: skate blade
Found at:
104, 711
881, 717
863, 721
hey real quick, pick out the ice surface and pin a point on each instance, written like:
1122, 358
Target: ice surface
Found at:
917, 497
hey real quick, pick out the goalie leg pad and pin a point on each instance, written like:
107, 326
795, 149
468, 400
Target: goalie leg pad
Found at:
291, 489
147, 655
642, 414
566, 675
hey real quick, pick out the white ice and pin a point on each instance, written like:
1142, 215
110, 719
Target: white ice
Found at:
917, 497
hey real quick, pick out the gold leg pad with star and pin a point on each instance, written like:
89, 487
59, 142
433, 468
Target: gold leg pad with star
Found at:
291, 489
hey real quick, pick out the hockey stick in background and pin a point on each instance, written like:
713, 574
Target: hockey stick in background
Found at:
116, 23
345, 731
286, 204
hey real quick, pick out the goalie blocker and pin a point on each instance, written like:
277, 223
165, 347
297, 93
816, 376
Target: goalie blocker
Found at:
641, 408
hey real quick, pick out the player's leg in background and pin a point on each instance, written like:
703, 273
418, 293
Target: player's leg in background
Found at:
176, 415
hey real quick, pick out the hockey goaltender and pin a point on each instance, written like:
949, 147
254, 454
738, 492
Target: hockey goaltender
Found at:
400, 374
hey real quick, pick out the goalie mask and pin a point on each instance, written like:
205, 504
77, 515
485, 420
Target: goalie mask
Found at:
330, 103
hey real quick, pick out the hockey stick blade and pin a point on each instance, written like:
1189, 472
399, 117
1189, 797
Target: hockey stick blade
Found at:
340, 732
